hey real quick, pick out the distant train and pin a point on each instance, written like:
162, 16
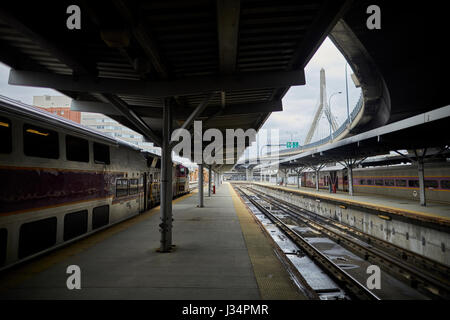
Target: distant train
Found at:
61, 181
394, 181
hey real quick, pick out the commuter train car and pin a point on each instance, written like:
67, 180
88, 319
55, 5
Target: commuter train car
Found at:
394, 181
61, 181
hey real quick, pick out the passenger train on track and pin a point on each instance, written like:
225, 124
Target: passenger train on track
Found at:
399, 181
61, 181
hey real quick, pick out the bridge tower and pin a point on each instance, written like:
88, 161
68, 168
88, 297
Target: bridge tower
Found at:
323, 107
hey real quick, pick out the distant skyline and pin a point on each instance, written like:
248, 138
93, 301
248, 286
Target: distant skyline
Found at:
299, 104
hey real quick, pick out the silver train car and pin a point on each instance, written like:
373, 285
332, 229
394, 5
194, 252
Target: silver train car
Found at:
62, 181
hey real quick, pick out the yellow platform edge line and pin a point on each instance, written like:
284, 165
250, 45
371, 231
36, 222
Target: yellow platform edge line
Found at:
274, 282
12, 277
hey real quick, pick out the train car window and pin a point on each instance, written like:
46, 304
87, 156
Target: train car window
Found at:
121, 187
378, 182
3, 242
40, 142
75, 224
37, 236
133, 186
101, 153
400, 183
362, 182
369, 182
77, 149
5, 135
413, 183
445, 184
100, 216
431, 184
389, 183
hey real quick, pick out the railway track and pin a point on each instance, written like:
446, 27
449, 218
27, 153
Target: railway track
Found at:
353, 288
423, 274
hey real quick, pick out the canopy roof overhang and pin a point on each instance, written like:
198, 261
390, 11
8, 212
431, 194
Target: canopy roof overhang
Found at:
229, 61
425, 131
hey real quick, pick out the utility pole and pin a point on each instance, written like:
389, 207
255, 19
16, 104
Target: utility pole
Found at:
346, 92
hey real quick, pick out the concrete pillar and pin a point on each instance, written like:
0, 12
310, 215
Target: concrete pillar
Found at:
209, 181
166, 181
420, 167
200, 185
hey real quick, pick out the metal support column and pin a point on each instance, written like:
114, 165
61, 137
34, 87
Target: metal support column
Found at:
209, 181
420, 167
166, 180
350, 179
200, 185
317, 179
419, 160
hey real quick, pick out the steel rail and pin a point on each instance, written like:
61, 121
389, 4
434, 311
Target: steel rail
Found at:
429, 284
353, 287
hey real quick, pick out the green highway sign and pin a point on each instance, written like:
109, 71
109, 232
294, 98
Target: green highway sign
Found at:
292, 145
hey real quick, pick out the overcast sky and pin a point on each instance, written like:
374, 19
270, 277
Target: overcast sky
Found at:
299, 104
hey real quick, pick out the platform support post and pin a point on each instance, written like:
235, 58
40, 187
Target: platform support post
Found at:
317, 179
209, 180
350, 180
421, 174
166, 180
419, 160
200, 186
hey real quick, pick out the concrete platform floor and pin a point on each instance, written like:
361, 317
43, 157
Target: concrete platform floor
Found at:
214, 259
433, 209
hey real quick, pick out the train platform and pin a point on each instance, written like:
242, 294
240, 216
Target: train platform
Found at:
434, 212
221, 253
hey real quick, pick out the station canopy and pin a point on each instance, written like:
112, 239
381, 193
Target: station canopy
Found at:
227, 62
425, 132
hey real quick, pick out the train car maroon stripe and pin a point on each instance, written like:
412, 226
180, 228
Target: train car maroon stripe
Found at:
23, 188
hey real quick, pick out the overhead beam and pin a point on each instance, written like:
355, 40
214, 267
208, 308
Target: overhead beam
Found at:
228, 26
125, 111
96, 107
180, 113
158, 89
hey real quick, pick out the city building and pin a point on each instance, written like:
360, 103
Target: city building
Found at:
59, 105
114, 129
